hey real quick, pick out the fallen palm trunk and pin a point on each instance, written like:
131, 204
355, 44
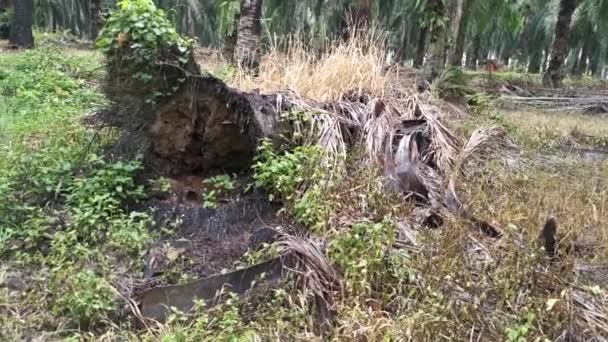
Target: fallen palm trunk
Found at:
596, 104
157, 303
299, 257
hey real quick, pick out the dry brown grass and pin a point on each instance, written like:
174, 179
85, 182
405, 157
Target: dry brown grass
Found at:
560, 123
358, 64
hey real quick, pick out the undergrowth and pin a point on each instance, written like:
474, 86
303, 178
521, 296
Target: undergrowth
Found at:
64, 232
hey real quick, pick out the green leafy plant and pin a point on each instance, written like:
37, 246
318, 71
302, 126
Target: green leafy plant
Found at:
161, 184
85, 296
451, 83
140, 42
313, 208
96, 198
219, 186
519, 332
361, 252
282, 173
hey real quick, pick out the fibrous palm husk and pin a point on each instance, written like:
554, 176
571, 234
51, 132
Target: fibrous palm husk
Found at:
406, 136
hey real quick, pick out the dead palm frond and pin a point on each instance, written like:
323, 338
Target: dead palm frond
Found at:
487, 142
444, 144
591, 319
316, 274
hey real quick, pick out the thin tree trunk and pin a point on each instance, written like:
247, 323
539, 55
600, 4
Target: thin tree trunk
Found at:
4, 27
595, 67
553, 76
403, 42
230, 44
524, 42
458, 28
585, 53
95, 19
446, 50
536, 61
249, 33
434, 63
505, 57
21, 29
473, 54
575, 55
362, 15
421, 47
545, 60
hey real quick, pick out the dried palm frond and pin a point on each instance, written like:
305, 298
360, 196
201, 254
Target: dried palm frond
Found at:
488, 142
485, 143
407, 137
316, 274
375, 123
444, 144
591, 318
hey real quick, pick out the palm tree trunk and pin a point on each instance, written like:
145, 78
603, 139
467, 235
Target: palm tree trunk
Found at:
421, 47
95, 19
436, 57
4, 26
524, 42
536, 61
595, 65
459, 25
21, 29
401, 54
473, 54
505, 56
553, 76
362, 15
250, 30
545, 59
230, 43
574, 54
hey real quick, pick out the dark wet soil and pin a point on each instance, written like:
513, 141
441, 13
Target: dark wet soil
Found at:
219, 237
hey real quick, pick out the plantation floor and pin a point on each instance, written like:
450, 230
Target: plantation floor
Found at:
72, 245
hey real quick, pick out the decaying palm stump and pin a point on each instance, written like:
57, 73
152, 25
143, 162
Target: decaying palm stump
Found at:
209, 125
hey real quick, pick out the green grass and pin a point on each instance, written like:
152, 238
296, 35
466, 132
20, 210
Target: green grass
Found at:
43, 88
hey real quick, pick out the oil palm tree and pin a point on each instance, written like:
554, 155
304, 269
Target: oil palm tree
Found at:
559, 50
21, 28
249, 33
95, 19
437, 22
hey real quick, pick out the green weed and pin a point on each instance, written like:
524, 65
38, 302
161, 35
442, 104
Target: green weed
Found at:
84, 296
219, 185
62, 206
361, 252
283, 173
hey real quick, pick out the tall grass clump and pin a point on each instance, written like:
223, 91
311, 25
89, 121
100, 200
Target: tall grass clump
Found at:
356, 64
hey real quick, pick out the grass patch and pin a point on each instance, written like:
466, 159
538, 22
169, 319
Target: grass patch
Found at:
63, 232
